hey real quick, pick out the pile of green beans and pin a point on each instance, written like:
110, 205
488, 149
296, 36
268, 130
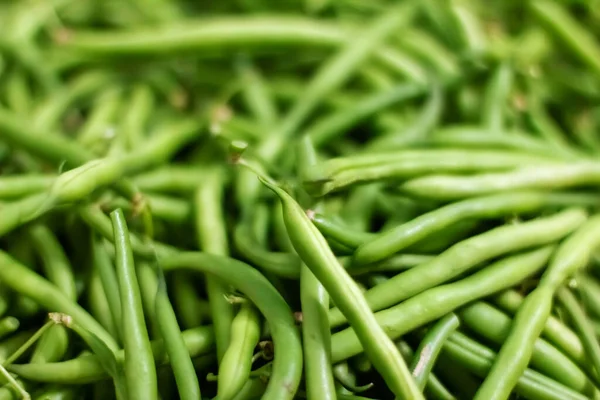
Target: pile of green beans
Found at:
299, 199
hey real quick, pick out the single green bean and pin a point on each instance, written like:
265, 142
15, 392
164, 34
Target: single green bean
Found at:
496, 98
179, 357
236, 364
316, 337
430, 347
139, 368
212, 238
540, 177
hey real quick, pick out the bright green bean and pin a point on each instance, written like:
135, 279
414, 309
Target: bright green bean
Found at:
139, 368
236, 364
540, 177
430, 347
179, 357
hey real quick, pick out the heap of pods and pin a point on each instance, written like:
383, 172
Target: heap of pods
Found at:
318, 199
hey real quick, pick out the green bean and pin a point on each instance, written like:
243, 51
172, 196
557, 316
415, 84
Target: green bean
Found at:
98, 305
430, 347
22, 185
396, 239
468, 253
396, 263
515, 354
346, 377
17, 92
581, 324
318, 257
256, 94
106, 272
287, 364
88, 369
410, 162
179, 357
139, 366
330, 126
589, 291
438, 301
576, 38
99, 121
8, 325
59, 393
541, 177
52, 346
495, 99
212, 238
554, 330
494, 325
460, 381
475, 137
236, 364
148, 282
478, 359
55, 262
316, 336
140, 108
102, 225
434, 388
26, 282
282, 264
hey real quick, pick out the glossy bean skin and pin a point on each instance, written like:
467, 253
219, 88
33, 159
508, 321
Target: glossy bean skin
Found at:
531, 317
494, 325
438, 301
542, 177
88, 369
395, 239
236, 364
139, 368
287, 364
466, 254
312, 248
